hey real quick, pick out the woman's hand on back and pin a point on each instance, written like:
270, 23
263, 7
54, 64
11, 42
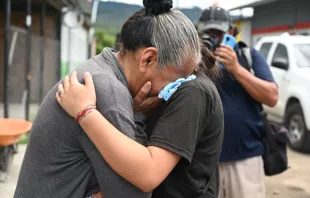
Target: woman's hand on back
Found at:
73, 96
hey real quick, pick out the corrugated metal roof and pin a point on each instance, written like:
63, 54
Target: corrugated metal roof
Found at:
254, 4
84, 5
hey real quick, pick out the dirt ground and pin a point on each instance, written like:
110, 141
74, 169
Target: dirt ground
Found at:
294, 183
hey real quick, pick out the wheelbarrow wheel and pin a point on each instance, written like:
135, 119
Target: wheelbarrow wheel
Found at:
6, 157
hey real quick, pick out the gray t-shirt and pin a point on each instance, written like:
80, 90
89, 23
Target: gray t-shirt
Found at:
60, 159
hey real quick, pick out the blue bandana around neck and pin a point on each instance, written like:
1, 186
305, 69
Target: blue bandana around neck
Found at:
169, 89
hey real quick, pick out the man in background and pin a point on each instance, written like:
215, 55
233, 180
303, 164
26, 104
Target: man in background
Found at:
241, 165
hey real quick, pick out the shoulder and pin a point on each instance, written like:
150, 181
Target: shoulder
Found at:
261, 67
243, 46
258, 60
110, 91
109, 82
257, 56
254, 52
201, 88
104, 78
199, 94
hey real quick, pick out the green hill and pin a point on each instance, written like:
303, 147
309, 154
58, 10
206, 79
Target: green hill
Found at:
112, 15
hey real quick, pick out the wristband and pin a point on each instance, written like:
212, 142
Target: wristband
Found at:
85, 114
89, 107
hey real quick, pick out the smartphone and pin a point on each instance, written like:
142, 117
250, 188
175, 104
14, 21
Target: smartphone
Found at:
230, 41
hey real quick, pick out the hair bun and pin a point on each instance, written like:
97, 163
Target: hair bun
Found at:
157, 7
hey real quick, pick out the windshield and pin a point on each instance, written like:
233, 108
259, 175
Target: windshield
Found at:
302, 52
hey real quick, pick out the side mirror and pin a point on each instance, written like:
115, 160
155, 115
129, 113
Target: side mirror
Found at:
281, 63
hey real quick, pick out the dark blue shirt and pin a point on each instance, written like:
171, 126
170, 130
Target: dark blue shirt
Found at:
243, 131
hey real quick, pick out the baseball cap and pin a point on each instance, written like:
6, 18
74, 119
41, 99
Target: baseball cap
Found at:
214, 17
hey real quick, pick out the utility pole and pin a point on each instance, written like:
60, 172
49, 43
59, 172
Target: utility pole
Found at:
28, 59
177, 4
42, 52
7, 17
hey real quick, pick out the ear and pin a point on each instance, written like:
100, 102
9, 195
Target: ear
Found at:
148, 59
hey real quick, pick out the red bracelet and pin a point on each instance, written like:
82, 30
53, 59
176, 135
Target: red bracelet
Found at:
83, 112
86, 113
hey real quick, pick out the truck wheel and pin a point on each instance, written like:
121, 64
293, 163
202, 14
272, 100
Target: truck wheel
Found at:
295, 123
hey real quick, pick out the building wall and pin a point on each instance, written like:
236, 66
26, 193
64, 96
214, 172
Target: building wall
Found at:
245, 28
74, 48
17, 68
279, 13
275, 18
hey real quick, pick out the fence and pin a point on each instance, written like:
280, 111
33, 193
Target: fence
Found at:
45, 79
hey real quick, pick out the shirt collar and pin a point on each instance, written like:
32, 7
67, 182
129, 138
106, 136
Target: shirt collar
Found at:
108, 55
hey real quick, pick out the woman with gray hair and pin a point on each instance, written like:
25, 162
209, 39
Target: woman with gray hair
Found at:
160, 45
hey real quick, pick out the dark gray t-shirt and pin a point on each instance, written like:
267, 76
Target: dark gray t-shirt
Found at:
190, 124
60, 159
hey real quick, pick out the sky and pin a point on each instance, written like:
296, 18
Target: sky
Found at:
227, 4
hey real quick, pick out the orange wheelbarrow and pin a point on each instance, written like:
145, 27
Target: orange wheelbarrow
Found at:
10, 132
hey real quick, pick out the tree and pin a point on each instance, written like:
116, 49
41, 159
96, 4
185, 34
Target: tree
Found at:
104, 40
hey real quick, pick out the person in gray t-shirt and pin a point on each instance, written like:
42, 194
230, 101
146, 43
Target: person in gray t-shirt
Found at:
158, 45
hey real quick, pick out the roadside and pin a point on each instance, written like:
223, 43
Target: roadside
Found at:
7, 189
294, 183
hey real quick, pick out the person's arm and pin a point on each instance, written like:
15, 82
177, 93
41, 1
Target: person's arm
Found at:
144, 167
262, 91
112, 97
143, 105
137, 162
261, 86
148, 167
110, 182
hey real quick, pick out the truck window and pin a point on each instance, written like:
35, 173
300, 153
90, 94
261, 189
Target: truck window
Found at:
281, 52
264, 50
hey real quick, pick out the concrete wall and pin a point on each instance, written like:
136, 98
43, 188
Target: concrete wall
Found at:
74, 48
74, 44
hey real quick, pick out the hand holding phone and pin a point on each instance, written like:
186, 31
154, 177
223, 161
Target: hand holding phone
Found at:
230, 41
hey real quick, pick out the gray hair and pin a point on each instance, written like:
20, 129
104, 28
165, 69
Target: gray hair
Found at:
176, 39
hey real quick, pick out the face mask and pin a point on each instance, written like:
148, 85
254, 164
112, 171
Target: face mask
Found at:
171, 88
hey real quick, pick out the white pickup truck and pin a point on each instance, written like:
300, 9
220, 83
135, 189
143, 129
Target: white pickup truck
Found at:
289, 59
